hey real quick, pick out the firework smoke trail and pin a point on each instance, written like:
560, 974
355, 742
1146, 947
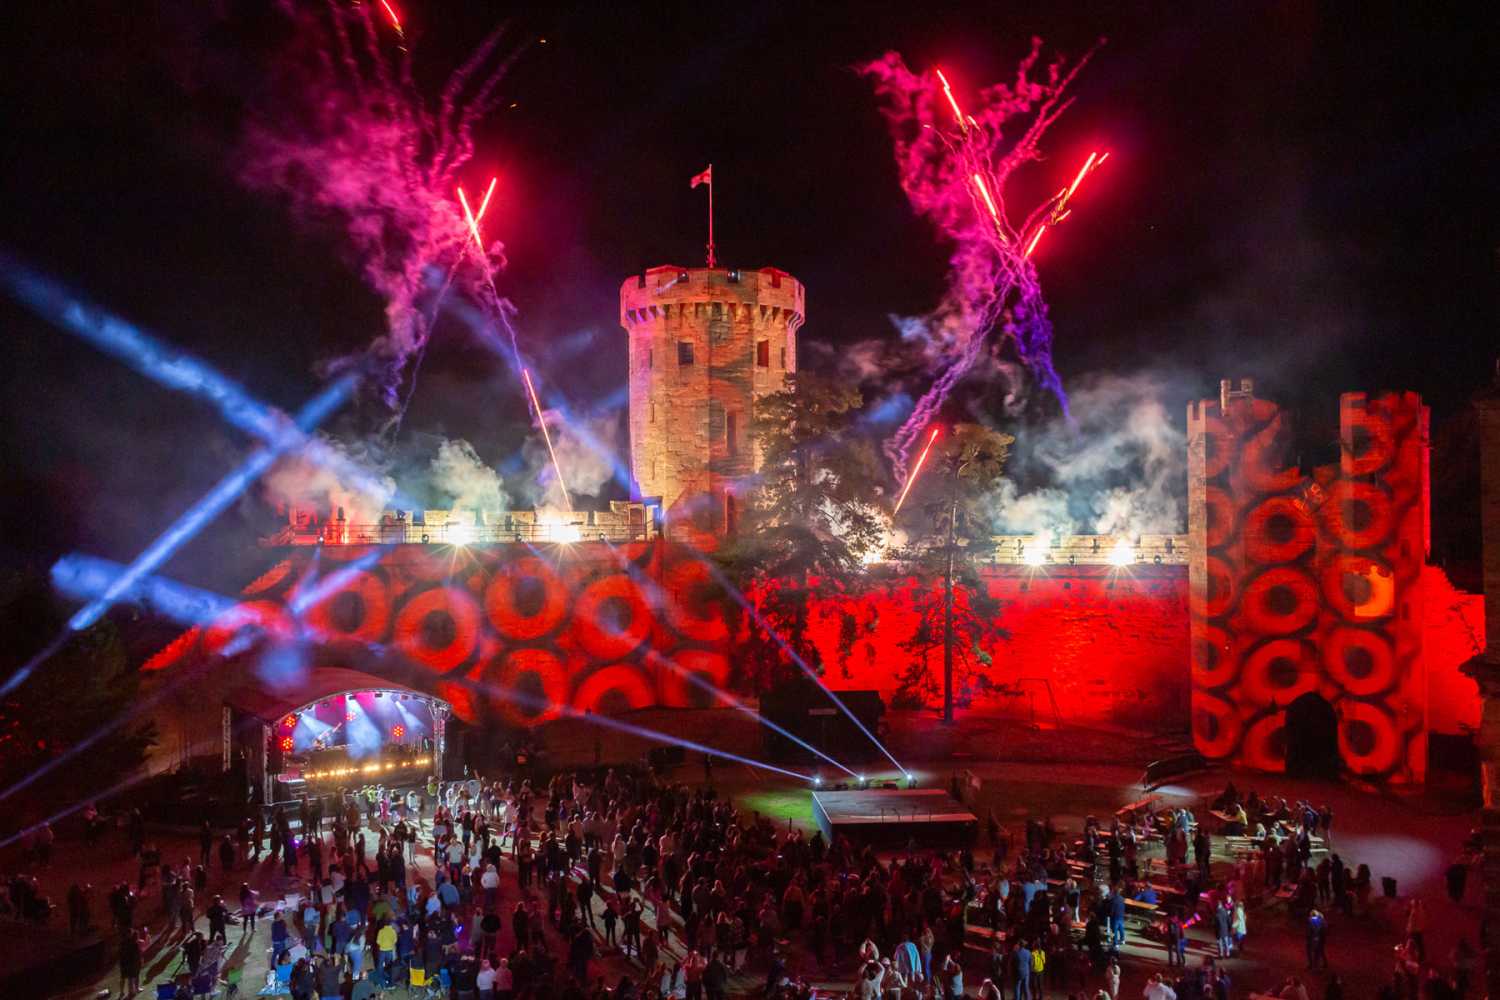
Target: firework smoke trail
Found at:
954, 172
393, 426
352, 142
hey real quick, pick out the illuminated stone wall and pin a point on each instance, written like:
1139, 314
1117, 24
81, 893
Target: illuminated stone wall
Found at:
1309, 584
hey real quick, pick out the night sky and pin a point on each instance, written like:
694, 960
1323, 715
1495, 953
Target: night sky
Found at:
1300, 193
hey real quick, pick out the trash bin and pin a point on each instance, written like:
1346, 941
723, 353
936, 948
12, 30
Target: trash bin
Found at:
1388, 886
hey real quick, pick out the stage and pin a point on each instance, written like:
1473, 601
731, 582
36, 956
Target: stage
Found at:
894, 816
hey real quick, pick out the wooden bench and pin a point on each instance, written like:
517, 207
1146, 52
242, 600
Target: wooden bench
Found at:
1146, 805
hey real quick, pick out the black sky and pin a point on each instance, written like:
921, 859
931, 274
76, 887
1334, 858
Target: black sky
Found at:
1303, 193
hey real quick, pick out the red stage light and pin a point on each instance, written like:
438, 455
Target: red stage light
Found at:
349, 715
290, 722
398, 731
286, 744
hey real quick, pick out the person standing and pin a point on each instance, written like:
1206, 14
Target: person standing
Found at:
1175, 936
1022, 958
1416, 929
130, 962
1239, 926
1224, 927
1317, 940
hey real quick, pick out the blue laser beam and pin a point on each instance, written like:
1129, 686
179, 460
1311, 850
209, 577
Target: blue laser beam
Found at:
174, 369
85, 578
221, 496
619, 725
189, 524
660, 597
735, 703
812, 675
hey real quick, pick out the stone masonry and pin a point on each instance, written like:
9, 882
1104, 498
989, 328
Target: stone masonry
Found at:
705, 344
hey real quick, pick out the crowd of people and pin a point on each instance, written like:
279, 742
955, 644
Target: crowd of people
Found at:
684, 892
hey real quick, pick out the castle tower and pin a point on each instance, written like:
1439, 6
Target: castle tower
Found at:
705, 345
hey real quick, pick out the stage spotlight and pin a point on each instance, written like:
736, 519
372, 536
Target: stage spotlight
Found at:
287, 744
817, 779
460, 534
398, 731
1122, 554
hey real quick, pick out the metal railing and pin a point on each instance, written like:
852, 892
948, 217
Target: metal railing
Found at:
408, 533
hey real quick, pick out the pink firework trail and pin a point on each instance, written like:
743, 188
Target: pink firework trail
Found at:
349, 139
954, 166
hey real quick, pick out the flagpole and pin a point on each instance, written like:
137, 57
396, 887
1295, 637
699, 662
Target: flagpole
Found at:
710, 215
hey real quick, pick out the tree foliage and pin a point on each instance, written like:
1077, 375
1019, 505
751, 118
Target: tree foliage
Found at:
80, 692
810, 521
953, 518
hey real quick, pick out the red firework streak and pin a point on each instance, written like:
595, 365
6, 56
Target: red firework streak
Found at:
390, 12
473, 218
1061, 211
915, 471
958, 115
989, 203
526, 375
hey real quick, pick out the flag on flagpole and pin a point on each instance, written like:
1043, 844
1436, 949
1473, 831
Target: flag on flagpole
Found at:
707, 177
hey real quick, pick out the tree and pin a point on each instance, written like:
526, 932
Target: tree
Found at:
809, 524
949, 536
82, 691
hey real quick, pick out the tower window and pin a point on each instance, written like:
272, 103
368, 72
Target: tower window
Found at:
731, 433
783, 359
650, 358
763, 354
653, 413
684, 353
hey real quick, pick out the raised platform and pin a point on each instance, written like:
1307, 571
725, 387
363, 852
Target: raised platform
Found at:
894, 816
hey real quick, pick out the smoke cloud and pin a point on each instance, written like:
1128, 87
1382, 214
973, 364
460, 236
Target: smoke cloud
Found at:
458, 479
1119, 468
297, 482
347, 140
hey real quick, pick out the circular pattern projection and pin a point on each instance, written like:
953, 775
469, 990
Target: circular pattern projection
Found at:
693, 602
1216, 727
1278, 530
1214, 662
613, 690
1367, 443
707, 666
1367, 738
1264, 747
1279, 672
438, 628
1217, 593
1280, 601
1357, 514
1359, 588
526, 600
611, 619
1360, 661
1262, 462
360, 610
527, 686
